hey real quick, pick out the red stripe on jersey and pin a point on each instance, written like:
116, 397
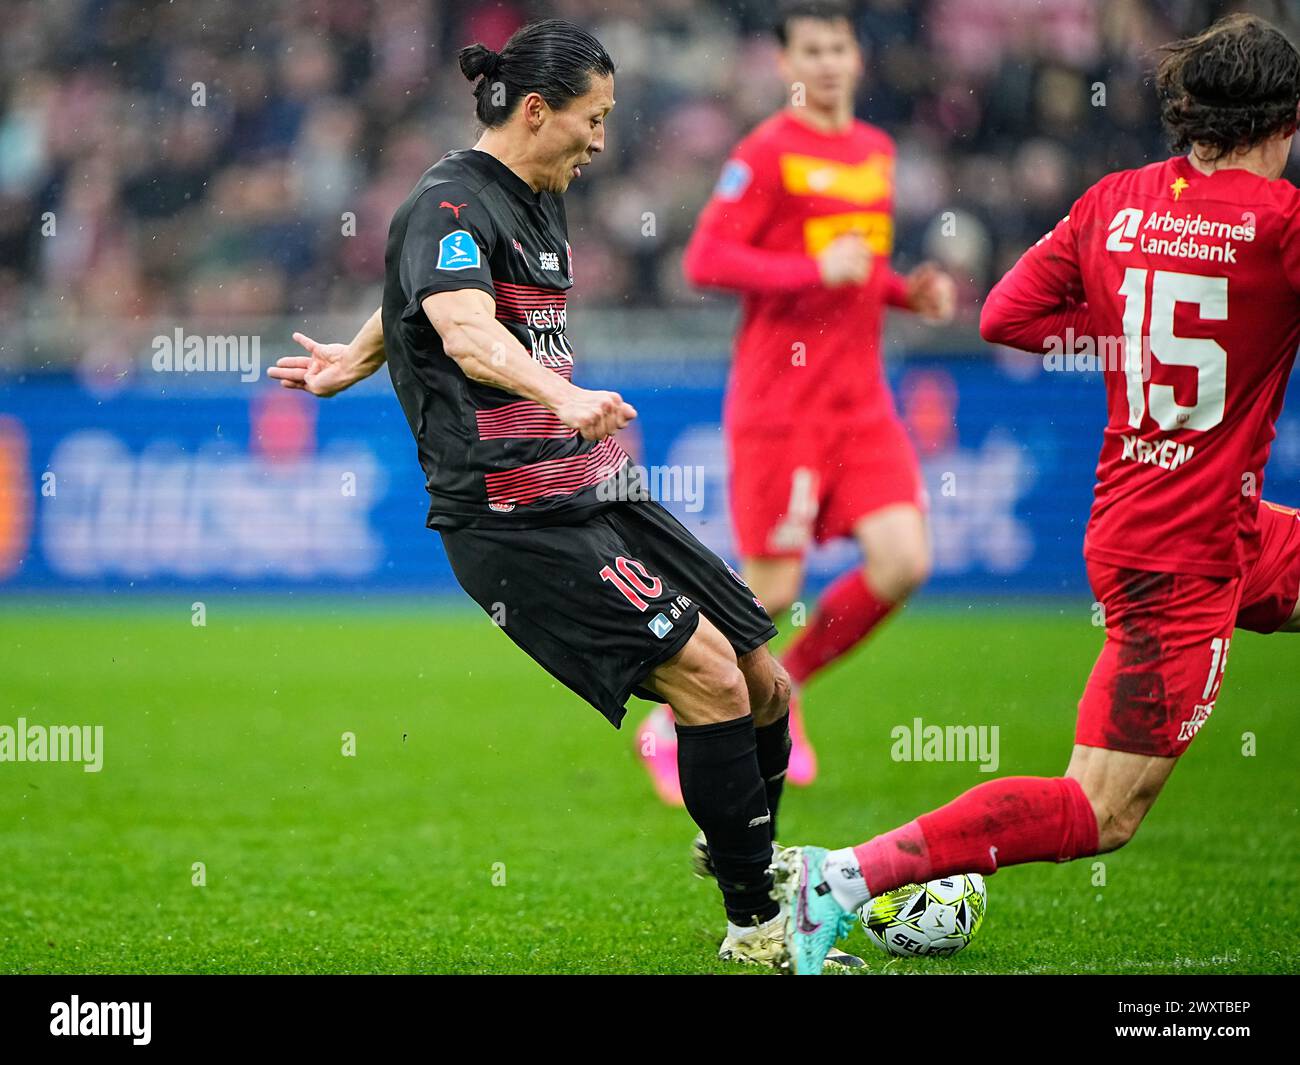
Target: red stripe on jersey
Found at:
509, 288
523, 420
525, 296
555, 477
529, 301
560, 364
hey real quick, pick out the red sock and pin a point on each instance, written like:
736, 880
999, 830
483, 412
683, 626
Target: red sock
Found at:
1001, 822
845, 613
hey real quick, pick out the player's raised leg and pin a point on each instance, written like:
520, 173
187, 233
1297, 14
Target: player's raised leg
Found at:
769, 694
773, 505
775, 582
1153, 688
1096, 807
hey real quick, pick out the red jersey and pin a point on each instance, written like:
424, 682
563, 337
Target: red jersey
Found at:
1195, 278
804, 352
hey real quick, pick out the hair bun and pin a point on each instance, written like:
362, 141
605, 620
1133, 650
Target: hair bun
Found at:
477, 60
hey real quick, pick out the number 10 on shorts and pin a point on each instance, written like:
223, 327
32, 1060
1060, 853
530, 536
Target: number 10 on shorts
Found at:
633, 580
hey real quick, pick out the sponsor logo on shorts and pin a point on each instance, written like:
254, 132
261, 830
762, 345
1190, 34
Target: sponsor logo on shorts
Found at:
501, 508
549, 260
660, 625
457, 251
1192, 725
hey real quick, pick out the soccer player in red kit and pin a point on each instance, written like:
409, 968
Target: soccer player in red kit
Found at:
1193, 265
801, 226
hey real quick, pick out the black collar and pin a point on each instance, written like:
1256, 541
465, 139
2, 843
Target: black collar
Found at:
506, 177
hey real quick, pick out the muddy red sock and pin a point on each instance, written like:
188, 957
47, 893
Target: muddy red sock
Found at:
847, 611
1002, 822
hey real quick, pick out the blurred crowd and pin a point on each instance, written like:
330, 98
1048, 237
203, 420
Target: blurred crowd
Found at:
220, 157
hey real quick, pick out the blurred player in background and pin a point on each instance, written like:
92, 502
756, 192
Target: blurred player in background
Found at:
801, 225
1199, 256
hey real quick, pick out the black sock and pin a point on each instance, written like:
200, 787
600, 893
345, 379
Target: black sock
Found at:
773, 742
724, 795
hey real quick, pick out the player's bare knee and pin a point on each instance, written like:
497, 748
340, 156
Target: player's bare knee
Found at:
781, 689
715, 685
896, 576
777, 605
768, 683
777, 596
726, 684
777, 702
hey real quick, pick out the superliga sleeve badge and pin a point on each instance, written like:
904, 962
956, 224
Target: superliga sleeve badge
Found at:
458, 251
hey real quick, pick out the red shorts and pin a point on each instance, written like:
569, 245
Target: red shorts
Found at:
789, 490
1158, 676
1273, 583
1167, 641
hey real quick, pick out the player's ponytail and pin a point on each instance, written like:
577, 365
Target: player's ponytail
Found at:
477, 61
552, 58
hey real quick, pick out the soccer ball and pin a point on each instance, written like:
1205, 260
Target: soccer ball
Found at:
935, 919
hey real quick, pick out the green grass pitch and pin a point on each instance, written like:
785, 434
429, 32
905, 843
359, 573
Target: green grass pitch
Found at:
492, 822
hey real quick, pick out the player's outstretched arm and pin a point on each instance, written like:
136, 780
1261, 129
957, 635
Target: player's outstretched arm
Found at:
927, 291
715, 261
330, 368
488, 353
1040, 302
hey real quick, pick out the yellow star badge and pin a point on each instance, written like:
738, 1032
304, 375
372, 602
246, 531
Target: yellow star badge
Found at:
1179, 187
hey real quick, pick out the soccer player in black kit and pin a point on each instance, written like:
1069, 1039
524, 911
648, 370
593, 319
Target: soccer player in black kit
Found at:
603, 588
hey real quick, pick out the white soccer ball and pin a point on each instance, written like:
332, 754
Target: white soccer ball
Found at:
934, 919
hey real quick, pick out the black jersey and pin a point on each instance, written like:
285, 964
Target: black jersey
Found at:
490, 458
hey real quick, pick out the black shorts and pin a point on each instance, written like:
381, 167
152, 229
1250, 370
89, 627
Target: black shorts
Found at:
599, 605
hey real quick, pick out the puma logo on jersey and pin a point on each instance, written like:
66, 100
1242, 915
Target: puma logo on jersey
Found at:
455, 208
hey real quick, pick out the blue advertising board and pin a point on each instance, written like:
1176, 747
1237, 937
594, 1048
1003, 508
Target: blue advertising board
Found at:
249, 486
